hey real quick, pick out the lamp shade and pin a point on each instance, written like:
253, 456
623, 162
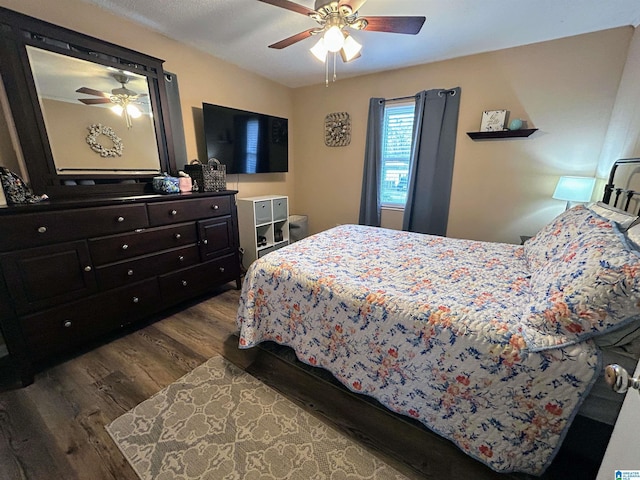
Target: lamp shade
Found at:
574, 189
319, 50
334, 39
350, 49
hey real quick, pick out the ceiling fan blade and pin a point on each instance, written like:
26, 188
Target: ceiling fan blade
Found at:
294, 7
407, 25
91, 91
293, 39
354, 4
94, 101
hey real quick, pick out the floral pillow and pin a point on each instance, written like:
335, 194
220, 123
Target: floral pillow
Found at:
591, 287
553, 237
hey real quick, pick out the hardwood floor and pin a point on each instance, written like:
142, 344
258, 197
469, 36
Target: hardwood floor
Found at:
54, 428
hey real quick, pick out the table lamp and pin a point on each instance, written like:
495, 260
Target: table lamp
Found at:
574, 189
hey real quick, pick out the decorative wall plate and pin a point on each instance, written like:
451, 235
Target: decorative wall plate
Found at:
98, 129
337, 129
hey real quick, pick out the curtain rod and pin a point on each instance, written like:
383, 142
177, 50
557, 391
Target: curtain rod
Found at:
450, 92
397, 99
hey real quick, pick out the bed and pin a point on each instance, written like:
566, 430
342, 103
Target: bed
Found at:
493, 346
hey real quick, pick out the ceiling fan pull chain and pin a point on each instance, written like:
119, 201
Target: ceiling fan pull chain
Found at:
334, 66
326, 74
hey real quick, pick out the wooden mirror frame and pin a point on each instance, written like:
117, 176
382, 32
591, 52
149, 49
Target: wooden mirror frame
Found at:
16, 32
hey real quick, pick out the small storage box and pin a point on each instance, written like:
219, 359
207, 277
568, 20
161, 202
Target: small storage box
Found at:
280, 209
263, 212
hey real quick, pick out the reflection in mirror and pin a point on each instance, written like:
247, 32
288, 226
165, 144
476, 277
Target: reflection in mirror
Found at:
98, 118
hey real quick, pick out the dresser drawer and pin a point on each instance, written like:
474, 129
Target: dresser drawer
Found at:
139, 268
35, 229
43, 277
184, 210
68, 326
189, 282
120, 247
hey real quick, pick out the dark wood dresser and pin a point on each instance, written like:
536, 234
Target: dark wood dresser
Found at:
71, 272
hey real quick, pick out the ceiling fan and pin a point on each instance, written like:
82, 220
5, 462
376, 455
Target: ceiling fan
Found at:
123, 99
335, 18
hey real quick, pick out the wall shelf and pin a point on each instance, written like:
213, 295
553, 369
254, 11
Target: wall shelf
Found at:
525, 132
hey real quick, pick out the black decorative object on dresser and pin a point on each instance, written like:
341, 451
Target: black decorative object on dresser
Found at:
72, 273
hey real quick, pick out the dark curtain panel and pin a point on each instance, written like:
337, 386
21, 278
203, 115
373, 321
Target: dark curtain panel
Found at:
431, 169
370, 199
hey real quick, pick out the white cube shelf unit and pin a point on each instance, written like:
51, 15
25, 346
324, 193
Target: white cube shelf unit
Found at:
264, 225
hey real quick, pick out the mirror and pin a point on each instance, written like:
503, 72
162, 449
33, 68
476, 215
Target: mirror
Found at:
92, 118
95, 124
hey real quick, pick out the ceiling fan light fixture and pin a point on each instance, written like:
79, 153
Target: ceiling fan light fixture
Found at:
320, 50
334, 39
350, 49
133, 111
117, 109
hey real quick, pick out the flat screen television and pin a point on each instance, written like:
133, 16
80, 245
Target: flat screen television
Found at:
246, 142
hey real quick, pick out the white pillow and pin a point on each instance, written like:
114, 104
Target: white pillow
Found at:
622, 218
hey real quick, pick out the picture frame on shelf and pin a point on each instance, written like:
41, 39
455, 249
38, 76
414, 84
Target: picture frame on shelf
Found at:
493, 120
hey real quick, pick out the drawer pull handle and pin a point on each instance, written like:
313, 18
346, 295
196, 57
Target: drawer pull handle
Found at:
87, 268
135, 299
174, 212
178, 236
221, 269
125, 246
67, 324
184, 283
215, 207
181, 258
130, 272
205, 241
42, 229
120, 219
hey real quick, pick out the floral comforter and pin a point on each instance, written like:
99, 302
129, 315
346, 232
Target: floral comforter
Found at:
431, 327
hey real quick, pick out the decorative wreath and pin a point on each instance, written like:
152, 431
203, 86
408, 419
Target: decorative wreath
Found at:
98, 129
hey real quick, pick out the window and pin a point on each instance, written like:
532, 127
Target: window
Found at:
396, 151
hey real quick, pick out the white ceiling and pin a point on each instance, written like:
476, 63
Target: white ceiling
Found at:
239, 31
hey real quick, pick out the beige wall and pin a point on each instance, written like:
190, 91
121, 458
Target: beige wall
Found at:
501, 189
202, 78
623, 134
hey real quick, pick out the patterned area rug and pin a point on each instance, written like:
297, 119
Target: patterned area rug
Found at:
218, 422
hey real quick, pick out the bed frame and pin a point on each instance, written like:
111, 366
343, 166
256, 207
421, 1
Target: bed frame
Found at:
580, 453
624, 195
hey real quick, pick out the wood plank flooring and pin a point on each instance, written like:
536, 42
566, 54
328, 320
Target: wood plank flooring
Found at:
54, 428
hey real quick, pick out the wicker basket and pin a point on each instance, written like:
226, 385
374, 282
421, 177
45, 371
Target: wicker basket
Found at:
211, 177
